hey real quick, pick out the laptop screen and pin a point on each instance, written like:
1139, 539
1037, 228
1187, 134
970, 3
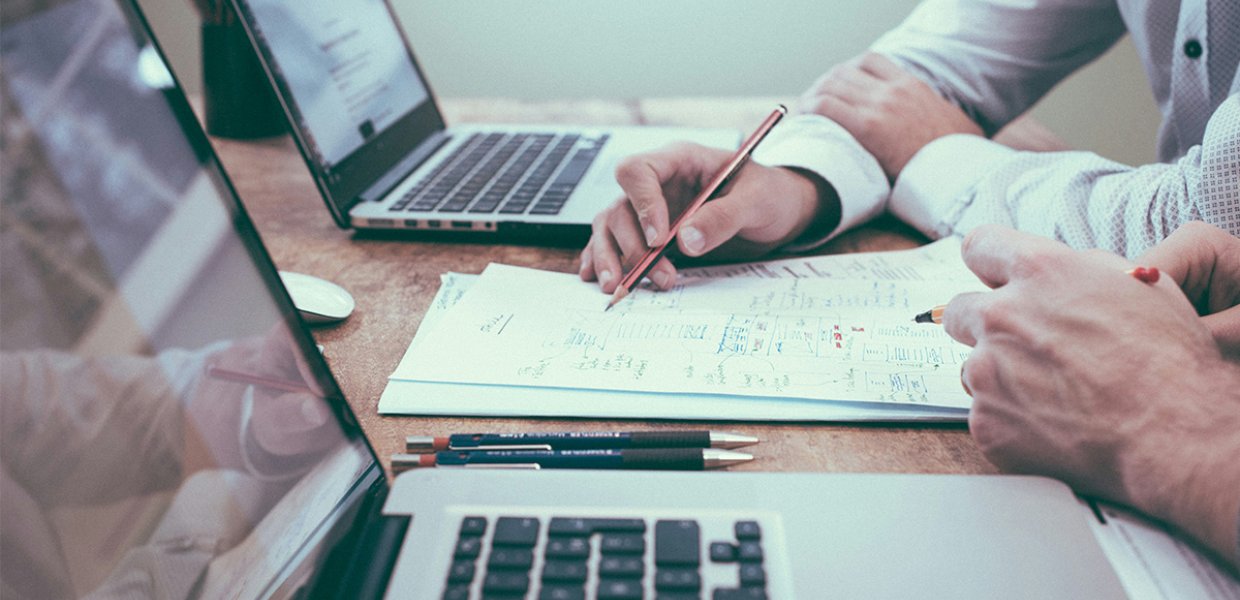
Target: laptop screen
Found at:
356, 102
167, 426
345, 66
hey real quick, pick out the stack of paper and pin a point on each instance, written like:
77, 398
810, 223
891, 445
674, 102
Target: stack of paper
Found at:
823, 338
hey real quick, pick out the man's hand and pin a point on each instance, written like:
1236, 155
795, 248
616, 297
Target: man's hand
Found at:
1115, 386
891, 113
1205, 261
761, 209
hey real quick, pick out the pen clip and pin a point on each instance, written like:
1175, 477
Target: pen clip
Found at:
534, 466
546, 447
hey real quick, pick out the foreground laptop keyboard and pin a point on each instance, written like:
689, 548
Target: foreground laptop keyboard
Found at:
526, 173
566, 558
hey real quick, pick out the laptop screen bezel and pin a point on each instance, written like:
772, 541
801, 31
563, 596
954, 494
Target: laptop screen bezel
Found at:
364, 486
356, 173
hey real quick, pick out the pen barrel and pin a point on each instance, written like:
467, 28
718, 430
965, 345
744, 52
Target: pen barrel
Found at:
640, 458
583, 440
546, 459
669, 439
682, 459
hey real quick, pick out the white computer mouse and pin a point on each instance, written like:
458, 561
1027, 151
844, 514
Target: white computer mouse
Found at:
318, 300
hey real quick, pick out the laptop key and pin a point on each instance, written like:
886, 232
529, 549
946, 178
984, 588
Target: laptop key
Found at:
621, 567
677, 543
456, 592
745, 593
677, 579
722, 552
468, 547
566, 547
562, 592
748, 531
461, 571
510, 558
752, 575
586, 527
749, 552
473, 526
506, 582
516, 531
513, 208
619, 589
622, 543
565, 570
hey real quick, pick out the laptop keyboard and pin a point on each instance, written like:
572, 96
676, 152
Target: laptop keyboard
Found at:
523, 173
569, 558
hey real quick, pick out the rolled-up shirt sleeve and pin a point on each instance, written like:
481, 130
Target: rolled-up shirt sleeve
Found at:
959, 182
820, 146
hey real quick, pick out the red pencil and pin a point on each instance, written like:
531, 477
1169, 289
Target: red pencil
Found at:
716, 184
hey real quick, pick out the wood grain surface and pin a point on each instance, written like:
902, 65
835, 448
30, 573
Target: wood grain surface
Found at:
394, 280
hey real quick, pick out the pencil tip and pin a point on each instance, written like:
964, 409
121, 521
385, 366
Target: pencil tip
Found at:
616, 297
925, 317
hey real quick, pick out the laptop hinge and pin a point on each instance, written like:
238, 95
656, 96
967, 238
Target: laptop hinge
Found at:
360, 564
402, 169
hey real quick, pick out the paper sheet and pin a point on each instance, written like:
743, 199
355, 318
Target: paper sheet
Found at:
788, 337
1154, 565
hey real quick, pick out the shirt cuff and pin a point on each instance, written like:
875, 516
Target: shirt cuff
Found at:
821, 146
934, 188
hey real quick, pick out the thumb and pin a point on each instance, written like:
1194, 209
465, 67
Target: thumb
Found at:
715, 223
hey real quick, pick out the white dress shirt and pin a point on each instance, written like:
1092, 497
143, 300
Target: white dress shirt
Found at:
995, 59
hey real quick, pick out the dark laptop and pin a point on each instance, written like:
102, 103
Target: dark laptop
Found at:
170, 429
366, 121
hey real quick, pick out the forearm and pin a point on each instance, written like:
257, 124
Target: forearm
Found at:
995, 59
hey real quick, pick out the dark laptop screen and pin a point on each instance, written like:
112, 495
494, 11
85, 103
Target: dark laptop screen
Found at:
167, 428
345, 66
356, 102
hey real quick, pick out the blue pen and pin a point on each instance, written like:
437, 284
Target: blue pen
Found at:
578, 440
639, 458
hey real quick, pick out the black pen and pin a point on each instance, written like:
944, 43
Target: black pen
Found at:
578, 440
689, 459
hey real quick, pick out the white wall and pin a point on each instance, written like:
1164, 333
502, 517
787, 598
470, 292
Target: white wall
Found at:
588, 48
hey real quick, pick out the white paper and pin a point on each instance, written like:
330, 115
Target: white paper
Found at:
1154, 565
795, 338
939, 261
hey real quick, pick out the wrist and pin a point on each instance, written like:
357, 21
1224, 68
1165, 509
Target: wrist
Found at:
818, 206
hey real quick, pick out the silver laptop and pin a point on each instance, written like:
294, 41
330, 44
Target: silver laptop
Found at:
368, 126
170, 429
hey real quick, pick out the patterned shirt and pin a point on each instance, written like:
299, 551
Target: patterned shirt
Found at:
995, 59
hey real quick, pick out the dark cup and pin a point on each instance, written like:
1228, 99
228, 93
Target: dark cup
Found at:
237, 97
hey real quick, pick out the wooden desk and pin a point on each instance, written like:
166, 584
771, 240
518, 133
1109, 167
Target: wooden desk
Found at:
394, 282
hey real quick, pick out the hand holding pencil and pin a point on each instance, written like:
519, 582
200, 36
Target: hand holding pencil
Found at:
760, 208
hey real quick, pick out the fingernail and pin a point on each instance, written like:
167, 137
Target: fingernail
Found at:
660, 279
604, 277
692, 239
651, 235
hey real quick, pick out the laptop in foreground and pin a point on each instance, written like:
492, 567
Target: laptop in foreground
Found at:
170, 429
368, 126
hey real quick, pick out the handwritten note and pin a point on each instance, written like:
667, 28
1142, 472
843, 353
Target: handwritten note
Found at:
814, 338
